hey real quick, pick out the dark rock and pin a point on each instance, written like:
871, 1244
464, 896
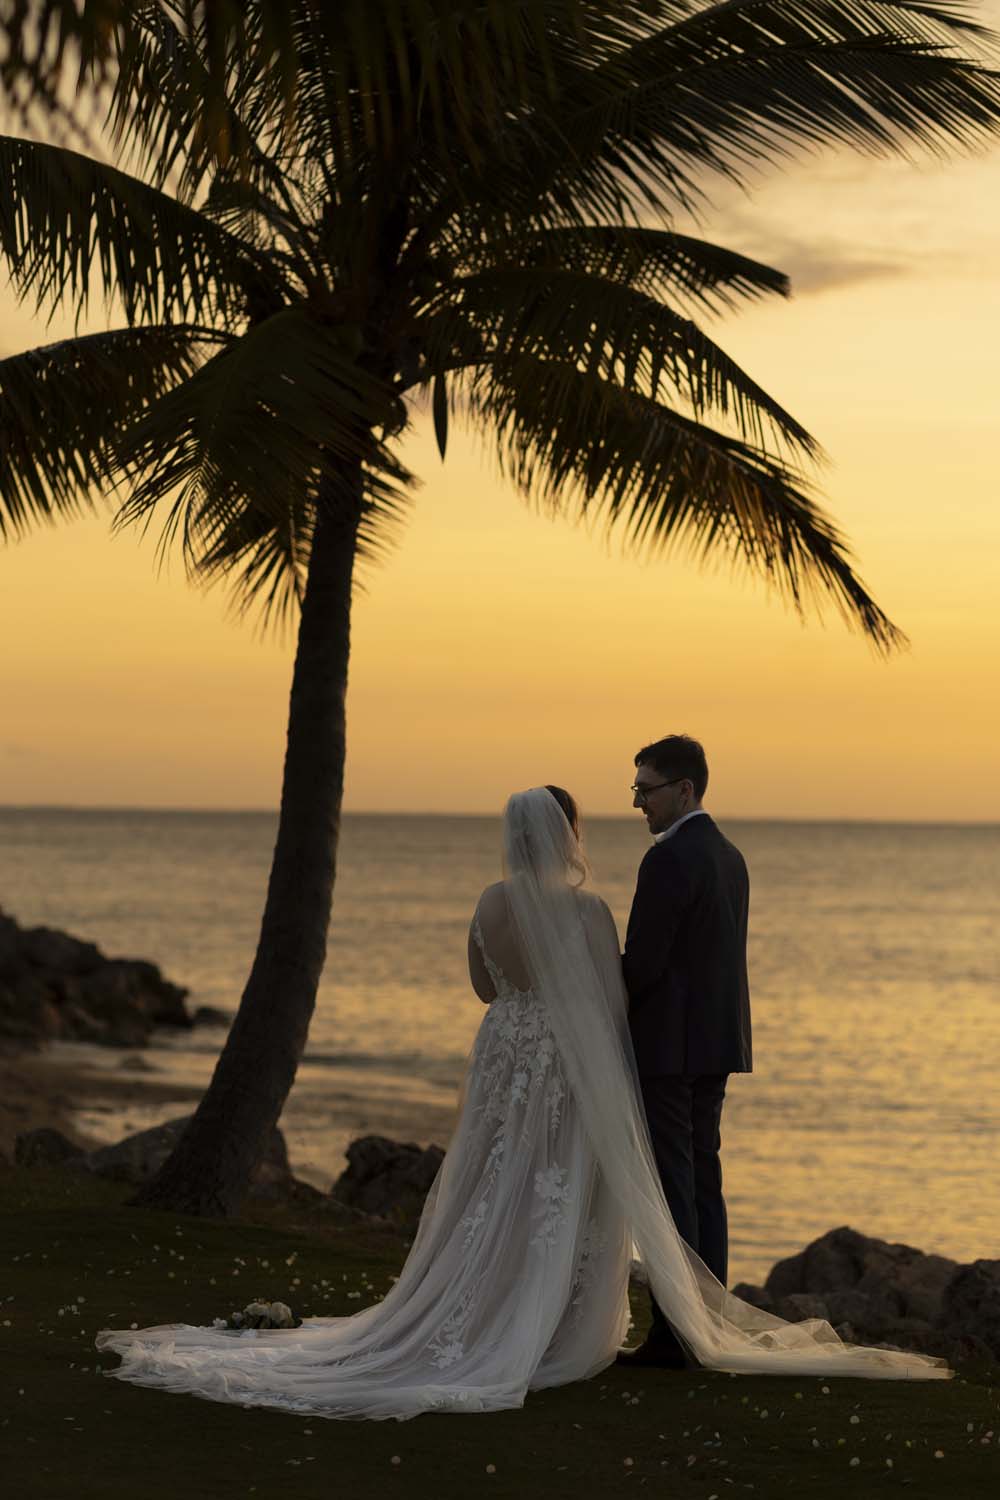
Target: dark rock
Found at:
48, 949
210, 1015
888, 1294
755, 1295
53, 986
798, 1306
10, 935
139, 1157
44, 1148
875, 1311
970, 1304
837, 1261
388, 1178
899, 1280
136, 1063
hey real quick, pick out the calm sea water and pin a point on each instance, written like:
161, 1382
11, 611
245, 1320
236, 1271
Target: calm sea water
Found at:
875, 956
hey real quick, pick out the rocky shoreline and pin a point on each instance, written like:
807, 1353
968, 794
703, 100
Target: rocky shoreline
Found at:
876, 1292
56, 987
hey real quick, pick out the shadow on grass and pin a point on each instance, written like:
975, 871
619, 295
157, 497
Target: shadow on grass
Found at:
74, 1260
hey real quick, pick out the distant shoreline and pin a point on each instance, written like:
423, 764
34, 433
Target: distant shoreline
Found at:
86, 810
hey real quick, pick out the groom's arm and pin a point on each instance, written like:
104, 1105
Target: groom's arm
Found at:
661, 896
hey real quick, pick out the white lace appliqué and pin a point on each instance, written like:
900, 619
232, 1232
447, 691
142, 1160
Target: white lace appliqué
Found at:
449, 1345
551, 1187
595, 1244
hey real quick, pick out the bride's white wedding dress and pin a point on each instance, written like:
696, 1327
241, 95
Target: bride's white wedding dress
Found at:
517, 1277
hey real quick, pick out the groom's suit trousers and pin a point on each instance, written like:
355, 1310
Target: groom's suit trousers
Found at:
684, 1114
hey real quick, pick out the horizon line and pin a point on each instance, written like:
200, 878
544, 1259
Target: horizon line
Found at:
272, 812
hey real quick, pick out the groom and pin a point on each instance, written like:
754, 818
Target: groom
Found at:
689, 1002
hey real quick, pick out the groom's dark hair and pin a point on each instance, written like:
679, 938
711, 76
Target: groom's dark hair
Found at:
676, 756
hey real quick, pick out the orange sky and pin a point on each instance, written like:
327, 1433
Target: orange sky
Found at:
497, 648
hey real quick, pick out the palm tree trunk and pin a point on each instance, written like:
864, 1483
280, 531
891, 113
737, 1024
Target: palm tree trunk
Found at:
211, 1166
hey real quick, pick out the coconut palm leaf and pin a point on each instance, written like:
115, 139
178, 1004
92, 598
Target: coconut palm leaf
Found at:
173, 109
260, 424
621, 334
266, 562
575, 441
64, 215
744, 82
64, 406
658, 262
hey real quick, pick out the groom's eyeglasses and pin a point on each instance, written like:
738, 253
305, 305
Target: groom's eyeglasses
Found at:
641, 793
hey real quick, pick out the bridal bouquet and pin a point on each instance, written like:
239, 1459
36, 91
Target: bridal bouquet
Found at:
260, 1315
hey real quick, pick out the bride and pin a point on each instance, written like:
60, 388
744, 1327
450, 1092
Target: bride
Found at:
518, 1275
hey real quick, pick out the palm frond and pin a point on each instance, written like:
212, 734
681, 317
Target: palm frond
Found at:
622, 335
63, 214
657, 262
178, 89
743, 82
63, 408
255, 428
577, 442
373, 80
264, 561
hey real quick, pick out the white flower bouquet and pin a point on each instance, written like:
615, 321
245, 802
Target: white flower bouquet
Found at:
260, 1315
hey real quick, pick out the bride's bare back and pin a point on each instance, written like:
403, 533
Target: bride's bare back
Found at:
501, 943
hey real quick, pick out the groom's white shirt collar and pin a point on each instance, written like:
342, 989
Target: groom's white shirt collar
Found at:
668, 833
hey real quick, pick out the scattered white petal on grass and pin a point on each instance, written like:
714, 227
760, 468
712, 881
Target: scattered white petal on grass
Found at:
815, 1442
395, 1459
763, 1413
938, 1453
491, 1468
854, 1463
888, 1463
855, 1420
627, 1462
970, 1427
825, 1389
798, 1395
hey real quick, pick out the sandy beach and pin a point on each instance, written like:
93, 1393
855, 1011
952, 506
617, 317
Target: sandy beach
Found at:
37, 1089
95, 1096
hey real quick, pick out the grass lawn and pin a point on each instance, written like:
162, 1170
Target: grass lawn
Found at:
75, 1260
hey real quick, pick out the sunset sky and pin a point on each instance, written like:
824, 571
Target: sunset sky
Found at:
498, 648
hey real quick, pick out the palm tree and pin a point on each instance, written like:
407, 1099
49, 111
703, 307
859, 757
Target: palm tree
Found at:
441, 198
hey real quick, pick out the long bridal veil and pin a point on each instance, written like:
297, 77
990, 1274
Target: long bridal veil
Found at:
570, 945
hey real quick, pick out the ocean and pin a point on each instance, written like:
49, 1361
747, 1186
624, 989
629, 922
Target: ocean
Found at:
874, 969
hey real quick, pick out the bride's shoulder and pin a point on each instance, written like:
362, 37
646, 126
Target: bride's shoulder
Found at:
594, 906
492, 898
592, 900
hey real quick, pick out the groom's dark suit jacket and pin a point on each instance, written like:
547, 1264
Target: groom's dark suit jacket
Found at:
685, 955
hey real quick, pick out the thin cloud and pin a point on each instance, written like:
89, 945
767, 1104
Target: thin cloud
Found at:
812, 269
